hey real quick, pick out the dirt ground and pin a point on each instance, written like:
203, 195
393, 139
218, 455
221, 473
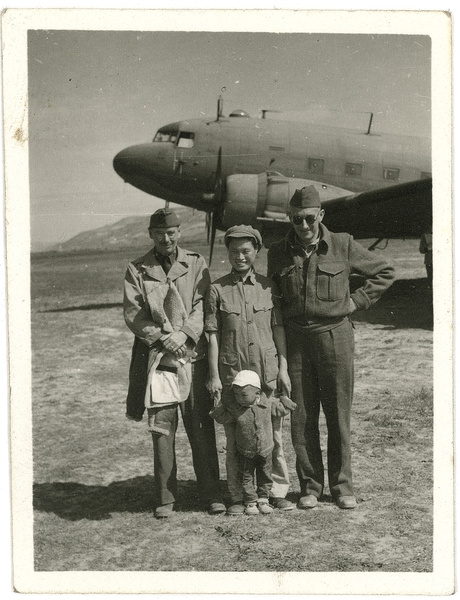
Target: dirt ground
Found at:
93, 468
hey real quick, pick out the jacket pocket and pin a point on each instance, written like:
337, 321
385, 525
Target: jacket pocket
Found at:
230, 314
332, 281
263, 313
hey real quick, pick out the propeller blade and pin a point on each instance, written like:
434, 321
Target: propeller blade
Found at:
218, 197
213, 238
208, 226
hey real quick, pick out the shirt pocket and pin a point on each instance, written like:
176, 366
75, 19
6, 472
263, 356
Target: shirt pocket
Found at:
289, 283
230, 314
263, 313
331, 281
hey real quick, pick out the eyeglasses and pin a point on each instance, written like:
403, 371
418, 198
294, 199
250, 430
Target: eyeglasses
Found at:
309, 219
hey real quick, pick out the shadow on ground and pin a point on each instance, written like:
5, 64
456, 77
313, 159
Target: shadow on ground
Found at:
408, 304
85, 307
75, 501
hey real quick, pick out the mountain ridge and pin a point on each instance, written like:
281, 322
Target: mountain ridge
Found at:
132, 232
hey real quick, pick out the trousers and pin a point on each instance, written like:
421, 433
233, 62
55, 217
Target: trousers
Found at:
262, 467
279, 474
199, 427
322, 375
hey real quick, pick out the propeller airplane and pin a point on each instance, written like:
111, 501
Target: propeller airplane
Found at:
243, 170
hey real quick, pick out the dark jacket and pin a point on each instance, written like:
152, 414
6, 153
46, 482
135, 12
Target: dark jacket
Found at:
254, 430
319, 289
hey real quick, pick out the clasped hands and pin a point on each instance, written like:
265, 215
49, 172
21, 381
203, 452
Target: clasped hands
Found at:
175, 343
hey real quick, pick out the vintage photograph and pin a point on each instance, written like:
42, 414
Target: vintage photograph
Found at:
229, 320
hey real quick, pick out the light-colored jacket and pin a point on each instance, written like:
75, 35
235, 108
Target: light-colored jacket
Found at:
145, 280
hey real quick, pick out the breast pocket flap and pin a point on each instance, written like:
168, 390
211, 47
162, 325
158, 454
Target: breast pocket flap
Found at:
266, 305
230, 308
331, 268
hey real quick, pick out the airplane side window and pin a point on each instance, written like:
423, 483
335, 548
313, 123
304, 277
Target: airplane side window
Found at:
353, 169
392, 174
316, 165
186, 139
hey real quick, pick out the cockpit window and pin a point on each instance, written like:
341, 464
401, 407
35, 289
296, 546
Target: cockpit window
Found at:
186, 139
166, 134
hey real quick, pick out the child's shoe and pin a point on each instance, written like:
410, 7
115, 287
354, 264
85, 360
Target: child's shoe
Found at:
251, 509
264, 507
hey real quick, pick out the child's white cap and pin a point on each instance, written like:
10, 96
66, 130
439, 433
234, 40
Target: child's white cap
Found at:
247, 378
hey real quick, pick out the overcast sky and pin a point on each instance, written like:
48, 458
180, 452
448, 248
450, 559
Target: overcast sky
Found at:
93, 93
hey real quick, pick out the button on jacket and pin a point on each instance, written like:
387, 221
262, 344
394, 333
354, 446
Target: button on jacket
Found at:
243, 312
317, 288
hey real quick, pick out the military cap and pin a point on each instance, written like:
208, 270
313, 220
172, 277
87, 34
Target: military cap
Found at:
243, 231
306, 197
164, 217
247, 377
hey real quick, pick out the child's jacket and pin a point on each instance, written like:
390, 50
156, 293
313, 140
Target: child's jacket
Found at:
254, 431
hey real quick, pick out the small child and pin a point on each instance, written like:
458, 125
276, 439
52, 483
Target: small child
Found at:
252, 412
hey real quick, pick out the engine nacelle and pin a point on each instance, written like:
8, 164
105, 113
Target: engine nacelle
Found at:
262, 201
249, 197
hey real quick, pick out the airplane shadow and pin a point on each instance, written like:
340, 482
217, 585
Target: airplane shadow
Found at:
408, 304
85, 307
75, 501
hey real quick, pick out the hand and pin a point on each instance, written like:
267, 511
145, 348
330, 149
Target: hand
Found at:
352, 306
214, 387
284, 382
175, 343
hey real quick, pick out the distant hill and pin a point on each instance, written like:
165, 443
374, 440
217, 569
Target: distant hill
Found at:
131, 232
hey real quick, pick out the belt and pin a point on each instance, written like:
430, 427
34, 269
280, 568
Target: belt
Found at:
322, 322
168, 369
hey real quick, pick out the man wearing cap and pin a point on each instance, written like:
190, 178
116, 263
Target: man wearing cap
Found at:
245, 329
311, 267
168, 273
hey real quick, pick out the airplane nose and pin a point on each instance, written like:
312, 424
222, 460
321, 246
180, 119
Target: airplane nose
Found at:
127, 162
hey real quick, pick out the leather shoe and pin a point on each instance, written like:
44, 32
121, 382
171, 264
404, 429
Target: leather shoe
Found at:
164, 511
282, 504
346, 502
308, 501
235, 510
216, 508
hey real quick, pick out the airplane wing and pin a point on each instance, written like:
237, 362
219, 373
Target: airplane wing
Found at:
399, 211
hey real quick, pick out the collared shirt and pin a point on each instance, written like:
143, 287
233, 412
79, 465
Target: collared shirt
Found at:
166, 261
315, 291
308, 250
242, 311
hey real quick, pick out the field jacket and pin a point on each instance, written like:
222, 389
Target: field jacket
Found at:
253, 424
145, 282
318, 288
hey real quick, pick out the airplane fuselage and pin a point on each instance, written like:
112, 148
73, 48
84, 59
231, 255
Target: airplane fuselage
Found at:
180, 164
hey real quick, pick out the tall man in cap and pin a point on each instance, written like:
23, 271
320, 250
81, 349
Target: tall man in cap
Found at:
311, 267
171, 281
245, 329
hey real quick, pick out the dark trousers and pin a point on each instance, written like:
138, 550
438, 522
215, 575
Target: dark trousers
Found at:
261, 466
321, 371
199, 427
